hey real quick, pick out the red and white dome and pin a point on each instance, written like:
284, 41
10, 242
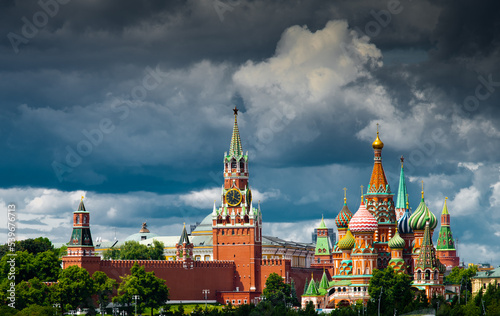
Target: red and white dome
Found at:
363, 221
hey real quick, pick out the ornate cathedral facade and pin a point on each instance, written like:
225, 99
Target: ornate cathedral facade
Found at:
380, 234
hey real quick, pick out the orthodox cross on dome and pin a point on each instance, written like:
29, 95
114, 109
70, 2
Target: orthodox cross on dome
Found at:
422, 189
362, 195
402, 160
345, 195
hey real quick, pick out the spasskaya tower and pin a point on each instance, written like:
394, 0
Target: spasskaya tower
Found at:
236, 225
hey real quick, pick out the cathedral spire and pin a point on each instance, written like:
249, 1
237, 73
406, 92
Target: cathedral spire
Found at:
378, 180
235, 148
402, 193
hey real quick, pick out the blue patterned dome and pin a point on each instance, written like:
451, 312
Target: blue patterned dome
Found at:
404, 223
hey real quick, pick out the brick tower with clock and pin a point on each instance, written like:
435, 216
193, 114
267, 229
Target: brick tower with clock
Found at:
237, 225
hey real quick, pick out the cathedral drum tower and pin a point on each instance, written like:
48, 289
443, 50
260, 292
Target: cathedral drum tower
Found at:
379, 201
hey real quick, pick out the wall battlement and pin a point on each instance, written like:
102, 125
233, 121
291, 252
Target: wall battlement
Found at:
165, 264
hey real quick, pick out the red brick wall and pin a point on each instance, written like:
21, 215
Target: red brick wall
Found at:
185, 281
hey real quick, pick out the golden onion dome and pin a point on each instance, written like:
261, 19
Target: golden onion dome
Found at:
377, 144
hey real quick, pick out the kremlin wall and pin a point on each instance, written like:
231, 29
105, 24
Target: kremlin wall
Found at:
381, 233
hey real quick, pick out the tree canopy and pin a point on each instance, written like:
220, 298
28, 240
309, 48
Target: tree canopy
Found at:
276, 290
393, 290
133, 250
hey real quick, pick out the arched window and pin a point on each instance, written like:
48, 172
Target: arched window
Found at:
242, 165
85, 219
419, 275
436, 275
233, 164
427, 275
78, 219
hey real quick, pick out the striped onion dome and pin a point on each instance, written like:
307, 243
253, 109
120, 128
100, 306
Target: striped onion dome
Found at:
421, 215
363, 220
345, 215
404, 223
396, 242
347, 242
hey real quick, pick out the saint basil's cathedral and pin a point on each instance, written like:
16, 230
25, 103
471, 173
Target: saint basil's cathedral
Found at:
234, 269
380, 234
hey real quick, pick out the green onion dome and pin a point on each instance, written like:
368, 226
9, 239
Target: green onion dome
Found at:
347, 242
396, 242
345, 215
421, 215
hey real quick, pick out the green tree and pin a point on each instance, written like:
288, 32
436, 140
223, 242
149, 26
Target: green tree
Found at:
32, 292
23, 262
47, 266
113, 253
156, 251
393, 290
35, 246
36, 310
133, 250
277, 291
152, 291
74, 289
103, 287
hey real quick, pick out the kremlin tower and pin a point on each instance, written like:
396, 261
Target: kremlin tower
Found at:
446, 251
80, 247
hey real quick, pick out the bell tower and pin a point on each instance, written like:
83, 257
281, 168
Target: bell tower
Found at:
236, 225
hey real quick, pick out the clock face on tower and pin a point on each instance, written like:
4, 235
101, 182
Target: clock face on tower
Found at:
233, 197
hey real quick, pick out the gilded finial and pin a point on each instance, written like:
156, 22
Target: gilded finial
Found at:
377, 129
184, 224
81, 199
407, 202
422, 189
362, 195
345, 195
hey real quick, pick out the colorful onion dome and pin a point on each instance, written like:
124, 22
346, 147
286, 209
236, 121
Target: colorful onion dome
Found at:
421, 215
404, 223
396, 242
347, 242
363, 220
345, 215
377, 144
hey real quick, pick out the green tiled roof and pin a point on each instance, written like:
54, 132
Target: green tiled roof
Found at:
489, 274
402, 193
323, 284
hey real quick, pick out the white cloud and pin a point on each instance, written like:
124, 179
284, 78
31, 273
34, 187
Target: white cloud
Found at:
466, 201
470, 165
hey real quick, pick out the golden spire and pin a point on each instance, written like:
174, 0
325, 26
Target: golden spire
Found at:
81, 199
377, 144
407, 202
422, 189
362, 195
345, 195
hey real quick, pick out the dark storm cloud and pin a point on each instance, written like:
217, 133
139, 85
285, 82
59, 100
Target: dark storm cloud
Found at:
310, 93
